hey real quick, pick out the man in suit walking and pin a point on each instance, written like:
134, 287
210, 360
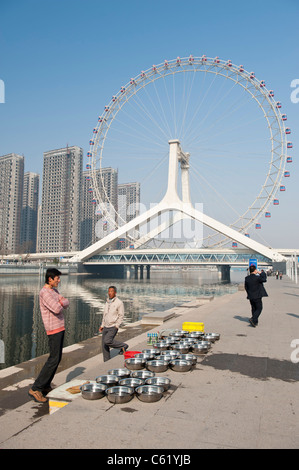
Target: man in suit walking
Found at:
255, 291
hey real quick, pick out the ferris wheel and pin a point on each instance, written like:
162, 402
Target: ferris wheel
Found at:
227, 119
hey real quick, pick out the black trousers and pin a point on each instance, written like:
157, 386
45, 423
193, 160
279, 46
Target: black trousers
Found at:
48, 371
108, 342
256, 309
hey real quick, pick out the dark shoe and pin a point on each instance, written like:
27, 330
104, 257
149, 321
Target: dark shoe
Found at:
123, 350
252, 322
37, 396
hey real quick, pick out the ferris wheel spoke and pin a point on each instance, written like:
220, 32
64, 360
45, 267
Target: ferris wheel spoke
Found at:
233, 109
183, 130
215, 191
141, 130
174, 105
171, 107
201, 103
162, 115
214, 101
185, 100
141, 111
211, 110
165, 129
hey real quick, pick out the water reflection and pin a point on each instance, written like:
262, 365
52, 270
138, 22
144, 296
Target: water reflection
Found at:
21, 327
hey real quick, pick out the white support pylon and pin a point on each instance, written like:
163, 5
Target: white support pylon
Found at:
171, 201
183, 158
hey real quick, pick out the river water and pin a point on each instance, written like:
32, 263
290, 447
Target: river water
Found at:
22, 335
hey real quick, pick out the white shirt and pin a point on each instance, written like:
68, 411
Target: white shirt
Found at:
113, 313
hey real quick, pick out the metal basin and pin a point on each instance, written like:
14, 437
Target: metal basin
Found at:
162, 345
163, 358
171, 353
135, 363
177, 334
181, 348
189, 357
159, 381
196, 334
208, 344
142, 374
120, 394
110, 380
212, 337
199, 349
180, 365
131, 382
93, 391
149, 393
168, 357
157, 365
151, 352
173, 339
189, 340
120, 373
145, 356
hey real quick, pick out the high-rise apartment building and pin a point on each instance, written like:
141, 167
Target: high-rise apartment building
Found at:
29, 212
59, 225
128, 201
128, 206
93, 225
11, 193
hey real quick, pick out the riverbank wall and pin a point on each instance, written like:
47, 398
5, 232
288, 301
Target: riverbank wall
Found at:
35, 269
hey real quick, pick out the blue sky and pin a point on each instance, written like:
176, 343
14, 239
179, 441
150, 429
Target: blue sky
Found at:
61, 62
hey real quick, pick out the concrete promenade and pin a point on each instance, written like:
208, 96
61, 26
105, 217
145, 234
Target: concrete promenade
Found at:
244, 394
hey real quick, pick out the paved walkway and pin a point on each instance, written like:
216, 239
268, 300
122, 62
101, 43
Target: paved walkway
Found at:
243, 394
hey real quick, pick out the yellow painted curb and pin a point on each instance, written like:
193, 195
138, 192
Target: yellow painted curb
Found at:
56, 405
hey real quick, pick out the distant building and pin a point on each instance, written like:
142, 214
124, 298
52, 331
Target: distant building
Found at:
93, 223
59, 224
128, 207
11, 193
29, 213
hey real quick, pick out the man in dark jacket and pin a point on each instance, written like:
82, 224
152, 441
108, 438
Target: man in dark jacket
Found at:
255, 291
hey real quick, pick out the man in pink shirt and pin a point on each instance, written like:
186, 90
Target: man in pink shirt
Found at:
51, 307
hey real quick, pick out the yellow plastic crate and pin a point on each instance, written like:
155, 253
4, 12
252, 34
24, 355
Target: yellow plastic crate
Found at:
193, 326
